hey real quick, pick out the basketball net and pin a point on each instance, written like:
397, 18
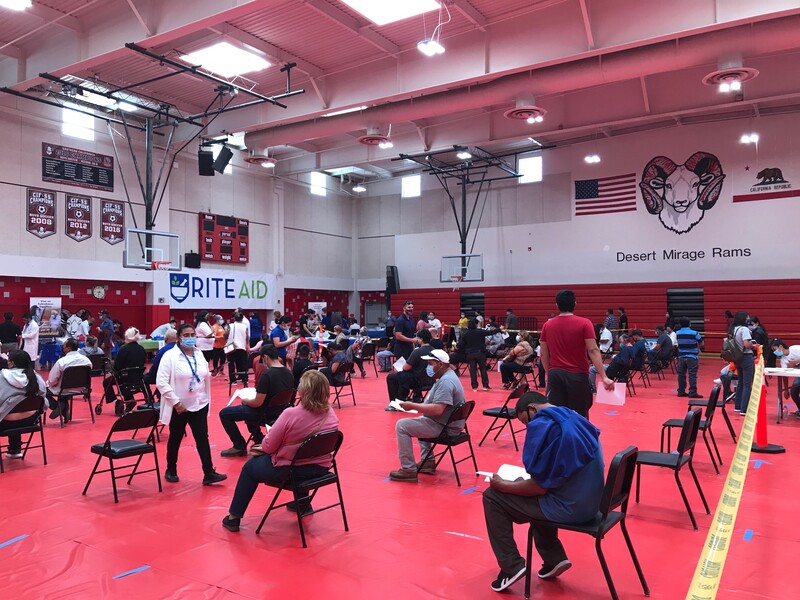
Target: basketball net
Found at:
160, 265
456, 281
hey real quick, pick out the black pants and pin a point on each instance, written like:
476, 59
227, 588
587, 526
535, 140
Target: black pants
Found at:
198, 422
572, 390
237, 363
477, 361
15, 440
399, 384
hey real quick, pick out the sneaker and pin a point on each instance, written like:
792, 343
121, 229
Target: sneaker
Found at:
428, 467
307, 509
230, 523
504, 579
552, 572
256, 450
486, 388
11, 454
682, 394
475, 389
363, 374
171, 477
213, 477
56, 412
403, 475
695, 395
233, 452
390, 408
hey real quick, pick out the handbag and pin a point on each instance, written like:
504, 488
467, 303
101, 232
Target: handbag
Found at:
229, 347
731, 351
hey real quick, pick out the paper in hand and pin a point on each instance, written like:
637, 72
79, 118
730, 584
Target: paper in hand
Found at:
615, 397
244, 394
397, 407
398, 364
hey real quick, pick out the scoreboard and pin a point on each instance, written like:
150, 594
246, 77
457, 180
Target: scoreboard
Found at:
224, 239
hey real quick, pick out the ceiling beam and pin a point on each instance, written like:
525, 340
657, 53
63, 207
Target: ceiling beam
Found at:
472, 15
348, 22
50, 15
11, 51
645, 96
587, 24
147, 31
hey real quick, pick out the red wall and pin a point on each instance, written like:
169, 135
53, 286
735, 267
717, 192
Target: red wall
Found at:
295, 302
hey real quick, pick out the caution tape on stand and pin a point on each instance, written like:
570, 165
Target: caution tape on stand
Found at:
708, 573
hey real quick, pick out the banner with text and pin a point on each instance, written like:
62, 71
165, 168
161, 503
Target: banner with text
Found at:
79, 217
112, 221
213, 289
41, 220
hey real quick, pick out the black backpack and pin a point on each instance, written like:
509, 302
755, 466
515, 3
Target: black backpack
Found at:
731, 351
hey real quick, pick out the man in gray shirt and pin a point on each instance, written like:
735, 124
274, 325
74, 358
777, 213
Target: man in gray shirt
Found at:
446, 395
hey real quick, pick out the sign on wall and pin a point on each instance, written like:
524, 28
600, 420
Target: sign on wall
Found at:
112, 221
224, 238
41, 219
78, 217
80, 168
212, 289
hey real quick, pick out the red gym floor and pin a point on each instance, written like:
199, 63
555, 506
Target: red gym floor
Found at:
421, 541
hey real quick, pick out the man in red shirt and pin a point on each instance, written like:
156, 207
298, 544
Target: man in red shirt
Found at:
565, 342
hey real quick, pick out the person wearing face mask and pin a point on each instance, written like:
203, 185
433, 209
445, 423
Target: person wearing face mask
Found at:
30, 336
239, 337
413, 375
513, 361
17, 382
218, 325
71, 358
747, 366
405, 331
280, 336
185, 385
130, 355
445, 396
789, 357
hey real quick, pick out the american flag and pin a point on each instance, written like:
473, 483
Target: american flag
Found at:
605, 195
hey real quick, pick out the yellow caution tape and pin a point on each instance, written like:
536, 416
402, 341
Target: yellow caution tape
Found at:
705, 582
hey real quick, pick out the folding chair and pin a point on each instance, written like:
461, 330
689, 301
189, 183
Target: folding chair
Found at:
676, 461
100, 365
247, 373
504, 414
282, 400
129, 382
615, 496
721, 404
326, 443
527, 370
461, 413
368, 355
119, 449
705, 427
75, 381
337, 387
29, 403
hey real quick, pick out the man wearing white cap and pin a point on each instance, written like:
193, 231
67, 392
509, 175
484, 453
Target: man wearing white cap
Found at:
446, 395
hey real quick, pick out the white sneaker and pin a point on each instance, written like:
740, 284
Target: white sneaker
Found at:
13, 454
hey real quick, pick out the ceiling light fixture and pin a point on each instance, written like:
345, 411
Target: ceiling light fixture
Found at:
592, 158
433, 45
223, 58
383, 13
18, 5
345, 111
430, 47
749, 138
537, 119
358, 188
463, 155
537, 142
385, 145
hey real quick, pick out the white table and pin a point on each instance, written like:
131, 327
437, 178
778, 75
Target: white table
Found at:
783, 383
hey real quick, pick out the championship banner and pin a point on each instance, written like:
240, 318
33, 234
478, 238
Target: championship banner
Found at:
216, 289
112, 221
41, 219
78, 217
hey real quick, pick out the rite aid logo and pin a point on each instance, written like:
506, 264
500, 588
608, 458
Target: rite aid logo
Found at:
179, 286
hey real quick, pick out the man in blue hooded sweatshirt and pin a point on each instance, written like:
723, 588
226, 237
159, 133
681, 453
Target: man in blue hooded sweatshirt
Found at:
562, 454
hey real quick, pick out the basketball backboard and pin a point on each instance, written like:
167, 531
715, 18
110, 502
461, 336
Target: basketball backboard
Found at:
144, 247
461, 268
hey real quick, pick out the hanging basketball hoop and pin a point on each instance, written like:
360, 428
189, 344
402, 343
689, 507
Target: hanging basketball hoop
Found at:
456, 280
160, 265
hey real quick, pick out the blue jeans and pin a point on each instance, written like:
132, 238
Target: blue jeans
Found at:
383, 358
260, 469
747, 369
230, 415
687, 363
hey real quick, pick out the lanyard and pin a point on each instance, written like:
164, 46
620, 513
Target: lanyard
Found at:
193, 368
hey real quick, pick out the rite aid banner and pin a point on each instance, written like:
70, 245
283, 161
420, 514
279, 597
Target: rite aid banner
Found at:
212, 289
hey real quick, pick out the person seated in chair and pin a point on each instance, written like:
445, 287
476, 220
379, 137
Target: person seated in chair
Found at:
71, 358
356, 347
334, 371
445, 396
661, 353
639, 349
313, 415
17, 382
563, 456
130, 355
384, 358
618, 365
413, 374
514, 360
789, 357
302, 362
436, 338
275, 379
91, 348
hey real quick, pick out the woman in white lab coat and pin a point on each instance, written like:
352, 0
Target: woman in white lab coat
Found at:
30, 336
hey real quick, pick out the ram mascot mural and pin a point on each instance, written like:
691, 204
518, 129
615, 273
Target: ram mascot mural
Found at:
681, 194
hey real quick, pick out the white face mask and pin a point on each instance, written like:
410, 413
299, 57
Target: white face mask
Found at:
519, 339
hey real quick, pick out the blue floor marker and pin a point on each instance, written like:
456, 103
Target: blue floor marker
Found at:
469, 490
758, 462
748, 535
612, 413
11, 541
131, 572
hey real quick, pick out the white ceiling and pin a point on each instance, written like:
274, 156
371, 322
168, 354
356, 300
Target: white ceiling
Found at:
599, 67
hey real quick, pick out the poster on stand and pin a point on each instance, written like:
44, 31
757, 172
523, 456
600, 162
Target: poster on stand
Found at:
48, 311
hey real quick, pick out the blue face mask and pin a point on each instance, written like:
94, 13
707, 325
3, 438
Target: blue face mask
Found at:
188, 342
429, 371
778, 352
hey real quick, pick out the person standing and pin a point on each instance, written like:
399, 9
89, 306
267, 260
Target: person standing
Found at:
565, 341
280, 338
9, 334
256, 328
746, 368
512, 323
405, 331
688, 351
30, 337
105, 332
238, 336
219, 344
611, 323
623, 320
473, 344
185, 385
205, 336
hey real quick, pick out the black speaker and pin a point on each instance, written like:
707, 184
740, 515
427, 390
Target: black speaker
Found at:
191, 260
392, 280
205, 163
223, 158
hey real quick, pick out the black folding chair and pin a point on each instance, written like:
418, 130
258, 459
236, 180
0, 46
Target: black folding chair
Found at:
368, 355
244, 376
282, 400
326, 443
721, 404
461, 413
75, 381
100, 365
705, 428
505, 414
130, 382
676, 461
615, 496
118, 449
28, 404
337, 386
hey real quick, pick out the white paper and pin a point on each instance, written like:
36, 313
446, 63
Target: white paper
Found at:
398, 364
615, 397
397, 406
512, 472
244, 394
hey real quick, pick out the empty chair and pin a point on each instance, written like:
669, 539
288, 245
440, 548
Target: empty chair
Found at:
118, 449
705, 427
676, 461
461, 413
314, 446
505, 414
613, 510
721, 404
28, 404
